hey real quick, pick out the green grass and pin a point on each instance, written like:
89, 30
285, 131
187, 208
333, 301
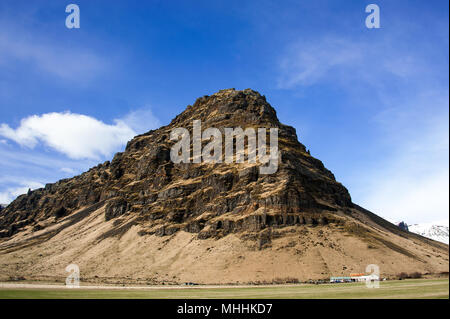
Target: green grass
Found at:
414, 288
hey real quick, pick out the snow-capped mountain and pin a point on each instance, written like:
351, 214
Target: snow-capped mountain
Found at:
436, 232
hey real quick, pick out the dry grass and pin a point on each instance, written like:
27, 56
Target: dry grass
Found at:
295, 253
406, 289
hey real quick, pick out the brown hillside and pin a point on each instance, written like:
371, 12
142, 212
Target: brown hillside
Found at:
143, 218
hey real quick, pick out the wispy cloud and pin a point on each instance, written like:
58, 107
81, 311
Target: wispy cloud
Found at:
347, 62
407, 98
306, 63
68, 170
141, 120
14, 159
7, 195
56, 59
23, 168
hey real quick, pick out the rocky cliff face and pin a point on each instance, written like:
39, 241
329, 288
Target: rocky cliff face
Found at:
142, 217
208, 199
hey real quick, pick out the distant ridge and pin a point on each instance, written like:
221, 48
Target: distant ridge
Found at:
432, 231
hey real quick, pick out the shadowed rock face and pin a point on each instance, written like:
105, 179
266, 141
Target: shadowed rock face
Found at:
212, 200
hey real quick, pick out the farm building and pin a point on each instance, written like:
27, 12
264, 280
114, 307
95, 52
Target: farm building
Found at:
340, 279
353, 278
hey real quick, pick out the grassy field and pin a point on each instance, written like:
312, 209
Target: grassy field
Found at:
418, 288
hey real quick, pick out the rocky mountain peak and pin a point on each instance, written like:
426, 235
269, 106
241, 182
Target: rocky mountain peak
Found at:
205, 221
229, 107
143, 182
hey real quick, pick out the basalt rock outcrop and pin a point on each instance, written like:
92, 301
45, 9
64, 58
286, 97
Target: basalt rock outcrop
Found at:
209, 199
143, 218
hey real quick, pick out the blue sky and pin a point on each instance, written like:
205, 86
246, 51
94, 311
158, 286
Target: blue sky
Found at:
372, 104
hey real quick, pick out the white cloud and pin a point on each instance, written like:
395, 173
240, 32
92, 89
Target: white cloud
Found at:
11, 193
75, 135
82, 138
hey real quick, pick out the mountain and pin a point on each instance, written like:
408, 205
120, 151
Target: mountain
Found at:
144, 218
435, 232
403, 226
